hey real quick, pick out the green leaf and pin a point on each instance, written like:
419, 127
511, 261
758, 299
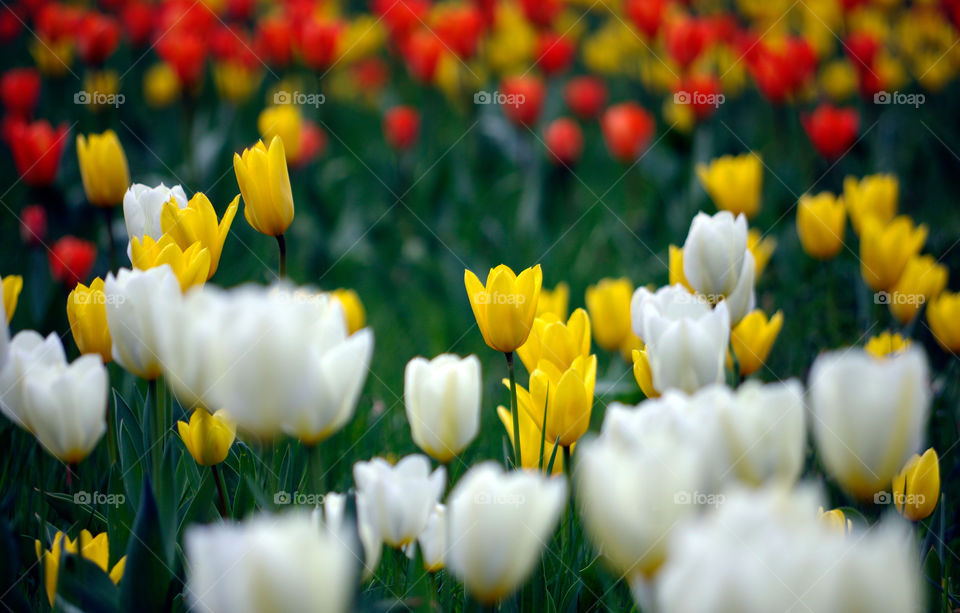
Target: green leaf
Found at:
84, 586
148, 573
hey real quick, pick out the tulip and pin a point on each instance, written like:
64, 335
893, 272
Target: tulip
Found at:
143, 209
433, 539
506, 306
20, 91
685, 38
33, 225
943, 315
922, 280
196, 223
207, 437
886, 249
646, 15
320, 42
734, 183
564, 141
87, 313
554, 301
586, 96
97, 38
401, 497
821, 223
334, 505
686, 341
554, 52
103, 168
160, 85
11, 286
93, 548
627, 129
762, 248
676, 276
186, 52
282, 121
36, 149
609, 305
29, 355
886, 343
832, 130
753, 338
265, 186
442, 399
524, 99
71, 260
531, 433
191, 266
916, 487
498, 524
353, 311
236, 82
835, 519
717, 263
555, 341
870, 415
282, 563
421, 54
135, 303
643, 374
567, 395
873, 196
401, 127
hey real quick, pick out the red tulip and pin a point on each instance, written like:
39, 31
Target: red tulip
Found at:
862, 48
138, 19
554, 53
685, 39
370, 74
401, 127
319, 42
586, 96
647, 15
97, 38
190, 15
460, 28
522, 99
702, 92
186, 53
313, 142
401, 16
241, 10
36, 150
627, 129
55, 22
33, 225
11, 22
71, 260
421, 52
541, 12
274, 40
564, 141
832, 130
20, 91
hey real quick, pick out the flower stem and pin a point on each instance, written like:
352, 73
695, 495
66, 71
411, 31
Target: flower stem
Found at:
111, 243
282, 244
221, 496
514, 409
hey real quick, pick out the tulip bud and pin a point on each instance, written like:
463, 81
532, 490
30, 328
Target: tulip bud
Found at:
554, 301
401, 127
916, 487
442, 399
265, 186
196, 223
821, 224
943, 315
555, 341
11, 286
33, 225
191, 266
160, 85
923, 279
433, 539
506, 306
676, 276
282, 121
143, 209
564, 141
762, 247
96, 549
753, 338
873, 196
36, 149
207, 437
103, 168
627, 129
87, 313
20, 91
643, 374
524, 99
356, 316
585, 96
832, 130
836, 519
734, 183
886, 343
886, 249
71, 260
609, 305
717, 263
28, 355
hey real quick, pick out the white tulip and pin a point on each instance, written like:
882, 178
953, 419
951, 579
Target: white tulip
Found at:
267, 564
4, 337
686, 340
67, 407
717, 262
442, 399
765, 551
334, 516
29, 354
433, 539
136, 305
498, 524
869, 415
142, 208
399, 498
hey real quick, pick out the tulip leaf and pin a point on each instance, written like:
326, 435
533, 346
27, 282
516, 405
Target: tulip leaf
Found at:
132, 475
125, 416
148, 572
84, 586
553, 456
200, 508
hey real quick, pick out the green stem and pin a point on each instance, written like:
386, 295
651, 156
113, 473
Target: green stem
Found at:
111, 243
514, 409
221, 494
282, 244
315, 472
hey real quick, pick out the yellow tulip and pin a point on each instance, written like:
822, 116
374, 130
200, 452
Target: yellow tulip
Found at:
282, 121
886, 343
753, 338
609, 305
160, 85
943, 315
191, 266
12, 284
530, 434
676, 268
821, 224
265, 185
93, 548
568, 395
734, 182
235, 81
103, 168
916, 488
197, 223
835, 519
353, 311
874, 196
104, 84
762, 248
506, 306
53, 57
643, 374
207, 437
922, 280
886, 249
87, 313
554, 301
628, 346
839, 80
558, 342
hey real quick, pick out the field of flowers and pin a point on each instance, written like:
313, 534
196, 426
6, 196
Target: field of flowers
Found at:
479, 305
